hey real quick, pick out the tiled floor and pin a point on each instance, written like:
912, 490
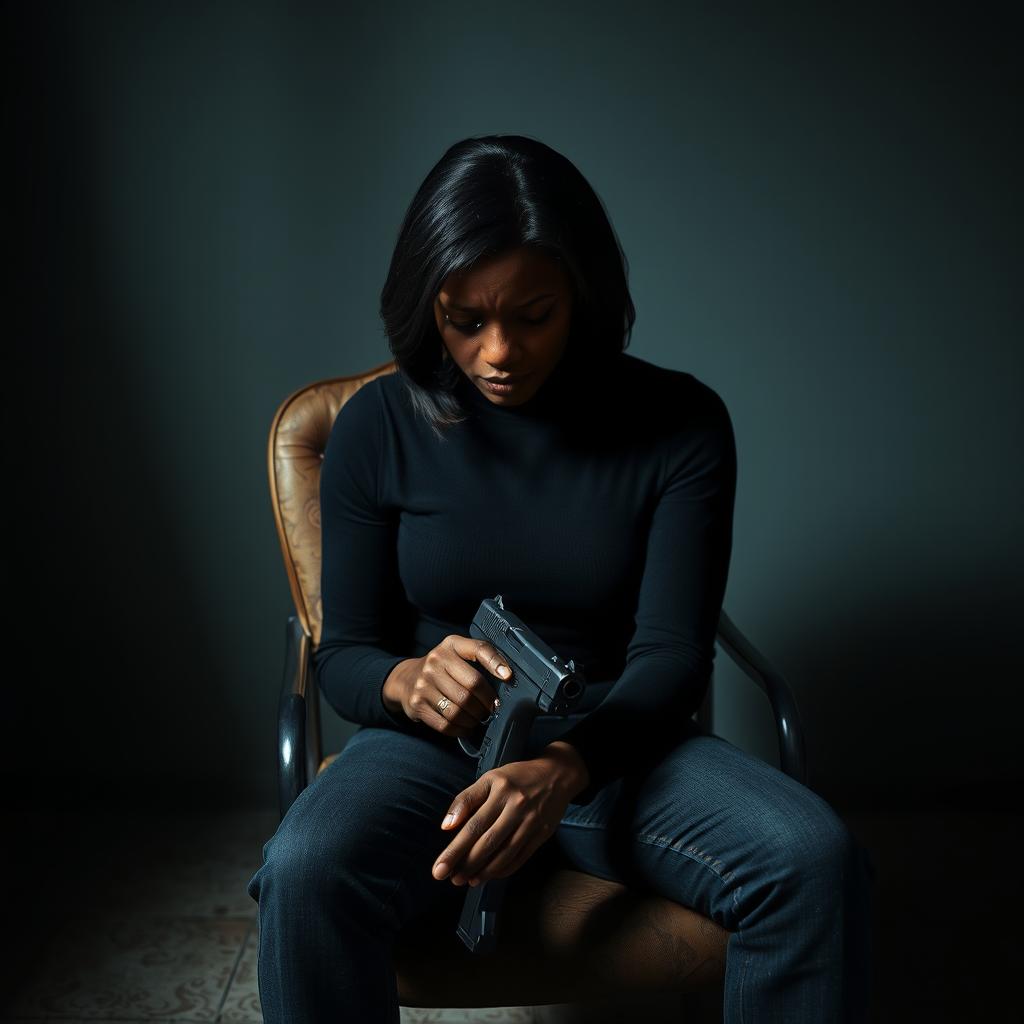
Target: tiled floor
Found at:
159, 927
151, 921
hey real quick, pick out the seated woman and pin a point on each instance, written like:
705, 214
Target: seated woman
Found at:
519, 450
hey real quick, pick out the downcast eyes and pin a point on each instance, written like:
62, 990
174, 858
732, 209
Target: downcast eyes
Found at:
472, 326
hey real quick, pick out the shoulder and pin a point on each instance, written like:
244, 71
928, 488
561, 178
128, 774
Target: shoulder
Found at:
686, 426
675, 398
363, 405
391, 391
357, 422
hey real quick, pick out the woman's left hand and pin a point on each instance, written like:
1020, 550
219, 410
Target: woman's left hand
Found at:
504, 817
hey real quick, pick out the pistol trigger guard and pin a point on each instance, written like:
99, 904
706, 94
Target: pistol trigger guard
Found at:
482, 730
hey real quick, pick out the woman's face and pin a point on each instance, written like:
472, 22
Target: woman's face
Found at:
507, 316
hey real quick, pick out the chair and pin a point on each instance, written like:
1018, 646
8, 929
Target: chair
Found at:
567, 938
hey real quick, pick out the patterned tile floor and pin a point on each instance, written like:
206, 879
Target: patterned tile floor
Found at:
150, 920
162, 929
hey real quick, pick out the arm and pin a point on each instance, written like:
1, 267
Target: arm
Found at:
359, 583
566, 758
670, 656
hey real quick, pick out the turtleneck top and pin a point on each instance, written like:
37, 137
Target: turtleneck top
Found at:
601, 509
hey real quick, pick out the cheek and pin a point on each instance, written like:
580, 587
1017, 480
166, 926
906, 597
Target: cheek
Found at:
563, 319
460, 356
557, 331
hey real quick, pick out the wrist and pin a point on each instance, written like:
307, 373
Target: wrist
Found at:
395, 685
569, 759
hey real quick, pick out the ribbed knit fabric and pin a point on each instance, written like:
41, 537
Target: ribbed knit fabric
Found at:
601, 510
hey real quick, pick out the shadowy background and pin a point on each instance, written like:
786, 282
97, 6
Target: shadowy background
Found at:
822, 216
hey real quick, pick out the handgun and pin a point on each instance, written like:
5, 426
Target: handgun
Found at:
541, 683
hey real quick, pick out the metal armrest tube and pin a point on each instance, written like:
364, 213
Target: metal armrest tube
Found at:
792, 752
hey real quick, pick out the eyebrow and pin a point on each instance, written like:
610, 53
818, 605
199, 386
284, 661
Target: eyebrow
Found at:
473, 309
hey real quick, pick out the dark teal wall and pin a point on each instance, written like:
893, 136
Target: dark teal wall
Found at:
822, 219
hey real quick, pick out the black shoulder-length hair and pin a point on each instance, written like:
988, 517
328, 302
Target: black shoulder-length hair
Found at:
487, 195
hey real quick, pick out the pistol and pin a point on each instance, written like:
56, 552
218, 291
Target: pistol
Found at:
541, 683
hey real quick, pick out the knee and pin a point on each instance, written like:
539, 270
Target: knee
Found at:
818, 846
302, 864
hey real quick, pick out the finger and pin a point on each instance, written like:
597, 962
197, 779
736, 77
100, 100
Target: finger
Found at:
516, 852
473, 835
490, 658
464, 808
477, 696
475, 692
508, 869
480, 683
487, 837
460, 708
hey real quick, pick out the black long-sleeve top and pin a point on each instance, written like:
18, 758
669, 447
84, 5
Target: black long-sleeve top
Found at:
601, 510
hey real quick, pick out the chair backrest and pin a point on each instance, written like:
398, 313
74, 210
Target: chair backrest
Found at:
295, 451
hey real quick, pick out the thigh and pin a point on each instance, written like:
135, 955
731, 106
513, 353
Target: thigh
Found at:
371, 822
704, 824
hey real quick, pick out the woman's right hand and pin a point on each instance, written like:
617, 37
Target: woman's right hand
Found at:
459, 668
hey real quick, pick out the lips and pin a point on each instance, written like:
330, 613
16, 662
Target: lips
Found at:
504, 386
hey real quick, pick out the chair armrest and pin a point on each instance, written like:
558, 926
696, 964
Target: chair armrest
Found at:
792, 750
298, 718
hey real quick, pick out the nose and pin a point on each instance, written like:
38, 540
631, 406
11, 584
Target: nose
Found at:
498, 347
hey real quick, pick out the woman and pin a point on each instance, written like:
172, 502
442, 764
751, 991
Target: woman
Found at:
519, 450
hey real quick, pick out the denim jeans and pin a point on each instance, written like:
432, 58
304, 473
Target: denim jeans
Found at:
708, 826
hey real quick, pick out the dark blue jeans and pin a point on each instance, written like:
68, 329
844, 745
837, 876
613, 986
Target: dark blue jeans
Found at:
708, 826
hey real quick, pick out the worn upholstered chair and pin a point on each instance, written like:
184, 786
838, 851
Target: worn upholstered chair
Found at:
567, 938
